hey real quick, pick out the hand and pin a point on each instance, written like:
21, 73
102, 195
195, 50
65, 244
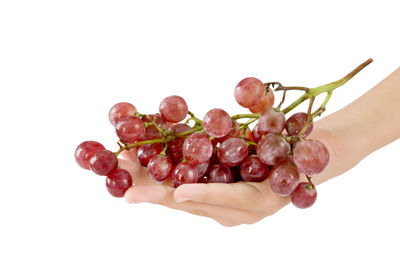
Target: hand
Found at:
228, 204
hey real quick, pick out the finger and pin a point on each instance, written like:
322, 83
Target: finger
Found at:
162, 194
139, 174
246, 196
130, 155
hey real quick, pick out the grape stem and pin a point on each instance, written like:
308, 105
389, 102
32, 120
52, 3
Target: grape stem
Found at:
309, 118
308, 94
326, 88
310, 185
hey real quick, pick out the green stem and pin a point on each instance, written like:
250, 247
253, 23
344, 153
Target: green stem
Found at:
322, 108
244, 116
154, 141
326, 88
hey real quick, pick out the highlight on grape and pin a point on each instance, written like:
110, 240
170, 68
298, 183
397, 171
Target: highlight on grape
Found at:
221, 148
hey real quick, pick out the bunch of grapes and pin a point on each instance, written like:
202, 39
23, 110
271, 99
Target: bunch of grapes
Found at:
219, 148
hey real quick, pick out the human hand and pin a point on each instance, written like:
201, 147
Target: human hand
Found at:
228, 204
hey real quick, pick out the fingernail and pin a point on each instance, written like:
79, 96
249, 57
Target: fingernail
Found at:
181, 199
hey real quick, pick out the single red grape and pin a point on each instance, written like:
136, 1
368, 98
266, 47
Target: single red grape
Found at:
173, 109
249, 92
184, 173
220, 174
296, 123
130, 129
118, 181
121, 110
266, 102
197, 148
85, 151
271, 121
176, 145
160, 168
310, 156
283, 179
103, 162
304, 195
253, 170
217, 123
147, 152
232, 152
272, 149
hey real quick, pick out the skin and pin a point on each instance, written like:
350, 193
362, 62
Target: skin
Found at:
350, 134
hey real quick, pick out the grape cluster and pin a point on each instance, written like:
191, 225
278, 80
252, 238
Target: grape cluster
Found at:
216, 149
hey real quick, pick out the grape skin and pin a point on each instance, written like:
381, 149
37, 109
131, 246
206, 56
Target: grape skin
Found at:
283, 179
256, 133
310, 156
147, 152
271, 121
160, 168
184, 173
249, 92
220, 174
130, 129
151, 132
266, 102
197, 148
103, 162
296, 123
118, 181
85, 151
232, 152
217, 123
302, 197
272, 149
173, 109
234, 132
253, 170
121, 110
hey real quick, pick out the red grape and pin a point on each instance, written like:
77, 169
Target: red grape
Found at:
160, 168
151, 132
283, 179
147, 152
130, 129
311, 157
253, 170
272, 149
176, 145
203, 168
266, 102
234, 132
232, 152
296, 123
304, 195
249, 92
184, 173
217, 123
256, 133
173, 108
118, 181
220, 174
85, 151
121, 110
197, 148
103, 162
271, 121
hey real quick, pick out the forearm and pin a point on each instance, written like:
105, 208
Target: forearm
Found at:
367, 124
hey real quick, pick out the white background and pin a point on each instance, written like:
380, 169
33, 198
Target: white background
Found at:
63, 64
